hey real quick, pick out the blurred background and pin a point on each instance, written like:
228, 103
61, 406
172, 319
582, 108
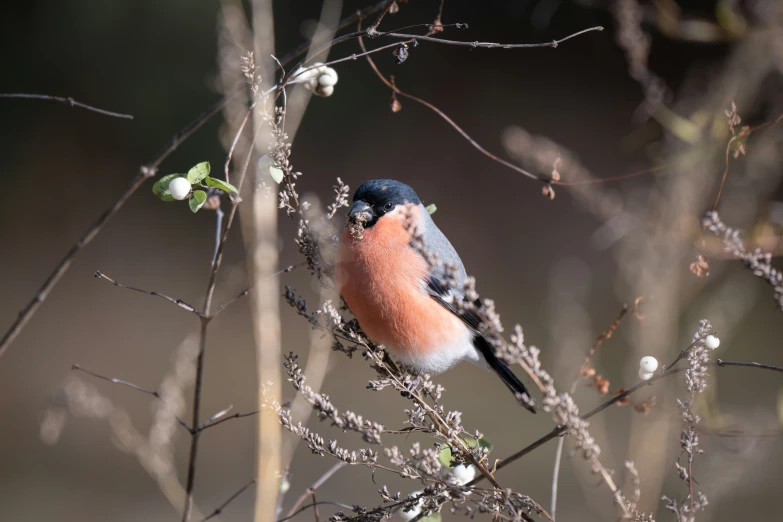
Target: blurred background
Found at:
561, 268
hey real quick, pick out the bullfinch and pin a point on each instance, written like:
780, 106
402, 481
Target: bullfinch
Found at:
398, 300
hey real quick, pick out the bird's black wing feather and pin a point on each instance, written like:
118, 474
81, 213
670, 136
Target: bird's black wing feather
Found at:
441, 294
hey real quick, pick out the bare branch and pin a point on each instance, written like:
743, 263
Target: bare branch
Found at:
247, 290
145, 172
129, 384
210, 424
178, 302
390, 83
484, 45
68, 101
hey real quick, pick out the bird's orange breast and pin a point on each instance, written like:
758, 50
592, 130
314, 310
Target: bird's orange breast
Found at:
381, 278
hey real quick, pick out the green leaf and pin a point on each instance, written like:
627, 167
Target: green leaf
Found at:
484, 443
220, 184
161, 187
445, 456
276, 173
198, 172
435, 517
431, 208
274, 169
197, 200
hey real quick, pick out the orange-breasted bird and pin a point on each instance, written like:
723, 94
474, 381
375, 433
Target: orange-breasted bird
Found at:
398, 301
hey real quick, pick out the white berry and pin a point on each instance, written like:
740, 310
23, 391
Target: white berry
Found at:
645, 376
325, 90
179, 188
328, 78
463, 474
648, 364
711, 342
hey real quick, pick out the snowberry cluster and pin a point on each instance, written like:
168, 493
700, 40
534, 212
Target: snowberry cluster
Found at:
317, 77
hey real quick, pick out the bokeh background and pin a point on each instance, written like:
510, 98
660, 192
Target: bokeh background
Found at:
561, 268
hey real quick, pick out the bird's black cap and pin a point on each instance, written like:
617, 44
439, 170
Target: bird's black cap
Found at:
376, 197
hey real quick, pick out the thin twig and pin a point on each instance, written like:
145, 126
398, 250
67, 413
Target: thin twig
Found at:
559, 430
217, 415
345, 22
68, 101
447, 119
218, 510
320, 503
486, 45
129, 384
389, 3
235, 140
317, 484
211, 424
556, 476
218, 229
145, 172
178, 302
247, 290
315, 507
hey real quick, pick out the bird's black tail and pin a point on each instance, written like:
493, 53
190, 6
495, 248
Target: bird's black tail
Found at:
504, 372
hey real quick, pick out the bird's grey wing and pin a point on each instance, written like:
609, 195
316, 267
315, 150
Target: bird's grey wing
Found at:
436, 242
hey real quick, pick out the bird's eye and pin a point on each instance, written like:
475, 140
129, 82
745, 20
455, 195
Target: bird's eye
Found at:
388, 206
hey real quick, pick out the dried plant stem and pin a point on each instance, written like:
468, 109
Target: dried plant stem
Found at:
556, 476
606, 334
68, 101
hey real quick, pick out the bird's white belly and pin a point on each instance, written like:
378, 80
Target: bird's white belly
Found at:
437, 359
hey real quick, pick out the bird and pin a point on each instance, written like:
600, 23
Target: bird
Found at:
398, 299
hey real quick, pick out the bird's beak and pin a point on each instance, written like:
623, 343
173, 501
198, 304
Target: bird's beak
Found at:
360, 212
